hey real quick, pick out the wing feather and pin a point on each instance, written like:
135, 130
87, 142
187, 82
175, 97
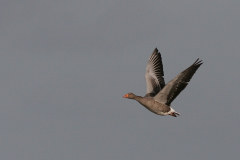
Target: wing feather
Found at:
179, 83
154, 74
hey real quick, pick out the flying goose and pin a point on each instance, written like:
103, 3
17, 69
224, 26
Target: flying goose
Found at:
159, 96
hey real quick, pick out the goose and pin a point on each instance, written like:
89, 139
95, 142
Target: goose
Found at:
159, 96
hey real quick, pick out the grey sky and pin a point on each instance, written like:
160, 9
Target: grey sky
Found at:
65, 66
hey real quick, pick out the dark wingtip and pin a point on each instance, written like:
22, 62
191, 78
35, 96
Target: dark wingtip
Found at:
198, 62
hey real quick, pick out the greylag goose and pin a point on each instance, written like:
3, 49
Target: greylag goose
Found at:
159, 96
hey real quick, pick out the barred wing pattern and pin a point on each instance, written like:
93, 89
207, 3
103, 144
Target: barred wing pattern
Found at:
154, 74
175, 86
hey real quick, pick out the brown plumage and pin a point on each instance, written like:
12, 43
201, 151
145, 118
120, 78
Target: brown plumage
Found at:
159, 96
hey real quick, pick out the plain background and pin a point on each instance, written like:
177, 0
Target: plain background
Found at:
65, 65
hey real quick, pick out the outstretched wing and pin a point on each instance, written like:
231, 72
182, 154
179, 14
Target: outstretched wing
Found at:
175, 86
154, 74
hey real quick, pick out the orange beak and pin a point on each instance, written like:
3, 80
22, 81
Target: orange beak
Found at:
125, 96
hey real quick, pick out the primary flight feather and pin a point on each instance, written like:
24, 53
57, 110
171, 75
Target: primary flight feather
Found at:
159, 96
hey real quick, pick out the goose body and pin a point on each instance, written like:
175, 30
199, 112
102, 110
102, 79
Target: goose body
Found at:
159, 96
